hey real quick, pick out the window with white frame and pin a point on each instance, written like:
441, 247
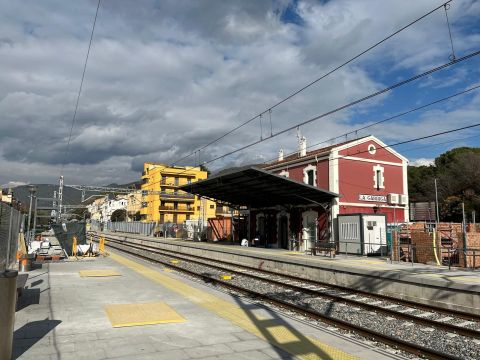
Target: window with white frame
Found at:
378, 177
310, 175
284, 173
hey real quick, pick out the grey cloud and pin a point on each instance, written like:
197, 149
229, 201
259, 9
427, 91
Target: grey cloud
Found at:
165, 77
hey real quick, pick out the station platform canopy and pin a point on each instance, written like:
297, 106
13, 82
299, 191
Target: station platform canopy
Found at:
257, 188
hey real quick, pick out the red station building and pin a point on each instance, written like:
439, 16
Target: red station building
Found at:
344, 194
368, 176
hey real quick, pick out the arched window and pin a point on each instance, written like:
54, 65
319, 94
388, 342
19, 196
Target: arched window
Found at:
310, 175
378, 177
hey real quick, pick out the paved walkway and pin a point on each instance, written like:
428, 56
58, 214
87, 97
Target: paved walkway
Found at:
63, 316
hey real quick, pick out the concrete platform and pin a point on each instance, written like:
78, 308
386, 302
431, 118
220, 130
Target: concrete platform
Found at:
61, 315
453, 289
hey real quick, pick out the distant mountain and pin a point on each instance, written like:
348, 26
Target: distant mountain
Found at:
70, 196
131, 185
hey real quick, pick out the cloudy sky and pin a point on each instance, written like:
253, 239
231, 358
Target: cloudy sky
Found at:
165, 77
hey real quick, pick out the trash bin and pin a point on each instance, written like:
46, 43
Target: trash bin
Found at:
8, 297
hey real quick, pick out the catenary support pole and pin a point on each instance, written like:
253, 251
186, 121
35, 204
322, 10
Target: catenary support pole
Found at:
27, 233
437, 217
464, 232
34, 218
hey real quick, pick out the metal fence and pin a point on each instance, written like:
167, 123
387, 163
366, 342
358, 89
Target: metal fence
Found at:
448, 256
11, 223
190, 230
133, 227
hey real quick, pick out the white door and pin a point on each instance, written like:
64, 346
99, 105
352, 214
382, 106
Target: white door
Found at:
374, 237
309, 233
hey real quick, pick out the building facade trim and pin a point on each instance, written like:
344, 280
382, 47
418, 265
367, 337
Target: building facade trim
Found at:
383, 162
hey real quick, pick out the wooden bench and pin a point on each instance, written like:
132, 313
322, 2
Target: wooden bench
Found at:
326, 247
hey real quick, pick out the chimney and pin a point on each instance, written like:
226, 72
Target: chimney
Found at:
280, 155
303, 146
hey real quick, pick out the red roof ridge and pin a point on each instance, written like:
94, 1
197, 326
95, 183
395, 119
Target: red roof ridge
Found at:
319, 151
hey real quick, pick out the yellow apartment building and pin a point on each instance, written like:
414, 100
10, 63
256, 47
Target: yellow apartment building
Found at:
134, 205
169, 204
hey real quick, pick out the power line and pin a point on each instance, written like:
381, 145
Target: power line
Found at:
415, 139
269, 110
411, 140
385, 90
416, 77
387, 119
403, 151
440, 143
80, 89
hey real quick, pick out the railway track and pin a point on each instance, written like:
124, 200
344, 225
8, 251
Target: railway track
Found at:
353, 311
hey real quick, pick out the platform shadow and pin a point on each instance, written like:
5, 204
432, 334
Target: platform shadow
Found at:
28, 297
286, 340
31, 333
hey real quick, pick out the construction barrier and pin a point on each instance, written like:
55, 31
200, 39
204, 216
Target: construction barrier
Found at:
101, 245
74, 246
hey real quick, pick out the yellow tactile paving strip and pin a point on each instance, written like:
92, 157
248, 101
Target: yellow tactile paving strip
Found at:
271, 330
99, 273
121, 315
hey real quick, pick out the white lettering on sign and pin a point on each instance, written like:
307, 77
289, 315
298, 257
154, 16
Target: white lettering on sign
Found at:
374, 198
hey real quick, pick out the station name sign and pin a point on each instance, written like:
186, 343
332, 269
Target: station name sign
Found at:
374, 198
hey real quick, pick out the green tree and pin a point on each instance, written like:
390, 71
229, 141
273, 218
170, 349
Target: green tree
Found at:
137, 216
458, 175
203, 167
119, 215
421, 183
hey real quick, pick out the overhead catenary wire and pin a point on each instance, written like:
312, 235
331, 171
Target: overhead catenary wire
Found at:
440, 143
384, 90
269, 109
425, 137
408, 150
415, 139
447, 7
415, 77
396, 116
74, 117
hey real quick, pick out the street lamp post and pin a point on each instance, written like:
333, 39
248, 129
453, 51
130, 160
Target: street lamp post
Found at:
32, 189
34, 217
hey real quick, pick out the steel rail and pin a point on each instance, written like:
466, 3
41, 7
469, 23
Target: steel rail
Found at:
448, 312
368, 333
369, 307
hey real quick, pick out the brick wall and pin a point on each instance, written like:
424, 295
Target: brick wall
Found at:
473, 249
423, 247
449, 242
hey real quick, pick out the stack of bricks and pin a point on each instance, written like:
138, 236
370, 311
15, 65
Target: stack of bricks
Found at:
473, 248
452, 244
395, 256
422, 242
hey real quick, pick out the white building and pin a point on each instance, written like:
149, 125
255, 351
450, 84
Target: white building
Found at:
102, 209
